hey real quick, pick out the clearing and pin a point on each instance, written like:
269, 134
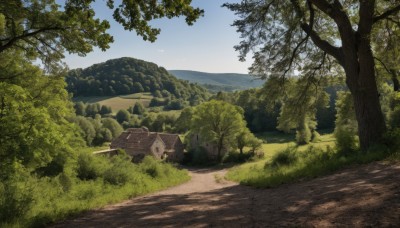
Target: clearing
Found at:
118, 102
360, 196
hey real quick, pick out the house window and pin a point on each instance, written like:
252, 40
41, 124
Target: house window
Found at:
157, 150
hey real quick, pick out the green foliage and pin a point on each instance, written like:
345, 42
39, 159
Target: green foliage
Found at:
184, 120
346, 124
33, 120
39, 179
113, 126
16, 198
218, 122
90, 167
392, 139
285, 157
317, 52
30, 201
105, 110
122, 115
138, 109
299, 108
46, 29
126, 76
291, 165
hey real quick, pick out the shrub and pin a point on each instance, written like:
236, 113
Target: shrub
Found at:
152, 167
392, 139
287, 156
16, 199
121, 170
303, 135
90, 167
346, 140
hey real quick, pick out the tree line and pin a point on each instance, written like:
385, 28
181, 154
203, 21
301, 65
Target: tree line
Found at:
128, 75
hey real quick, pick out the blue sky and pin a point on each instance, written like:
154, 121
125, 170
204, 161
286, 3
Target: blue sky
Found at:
206, 46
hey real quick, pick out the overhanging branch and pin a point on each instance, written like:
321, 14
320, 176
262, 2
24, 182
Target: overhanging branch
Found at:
387, 13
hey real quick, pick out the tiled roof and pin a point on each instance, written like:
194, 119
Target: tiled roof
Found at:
169, 140
141, 140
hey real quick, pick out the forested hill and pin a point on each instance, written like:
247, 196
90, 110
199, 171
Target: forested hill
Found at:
224, 80
128, 75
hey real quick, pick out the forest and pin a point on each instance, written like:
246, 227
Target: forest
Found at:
126, 76
328, 108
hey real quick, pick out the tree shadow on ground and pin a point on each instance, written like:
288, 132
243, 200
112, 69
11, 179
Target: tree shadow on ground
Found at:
367, 195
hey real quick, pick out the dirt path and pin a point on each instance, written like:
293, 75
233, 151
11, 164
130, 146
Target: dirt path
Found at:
363, 196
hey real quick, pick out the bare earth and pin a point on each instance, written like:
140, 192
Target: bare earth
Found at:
362, 196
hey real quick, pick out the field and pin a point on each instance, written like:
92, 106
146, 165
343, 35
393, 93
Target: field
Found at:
277, 141
119, 102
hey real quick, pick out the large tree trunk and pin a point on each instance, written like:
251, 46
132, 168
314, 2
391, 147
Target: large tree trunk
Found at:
360, 78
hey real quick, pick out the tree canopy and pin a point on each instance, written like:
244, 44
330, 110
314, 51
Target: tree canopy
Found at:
315, 37
128, 75
46, 29
218, 122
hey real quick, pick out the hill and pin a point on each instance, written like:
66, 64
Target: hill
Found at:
117, 103
125, 76
221, 81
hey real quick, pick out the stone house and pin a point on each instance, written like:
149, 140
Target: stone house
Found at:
210, 147
139, 142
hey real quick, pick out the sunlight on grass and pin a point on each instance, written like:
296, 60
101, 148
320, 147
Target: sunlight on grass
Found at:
118, 102
285, 162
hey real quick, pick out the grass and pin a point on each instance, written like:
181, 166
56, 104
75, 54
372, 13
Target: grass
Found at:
119, 102
284, 162
100, 181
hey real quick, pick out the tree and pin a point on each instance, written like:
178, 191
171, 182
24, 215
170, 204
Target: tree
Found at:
345, 125
88, 130
33, 117
113, 126
138, 108
122, 115
299, 107
311, 35
44, 29
105, 110
243, 139
218, 122
80, 108
182, 124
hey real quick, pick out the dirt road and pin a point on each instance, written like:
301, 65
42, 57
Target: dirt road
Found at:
363, 196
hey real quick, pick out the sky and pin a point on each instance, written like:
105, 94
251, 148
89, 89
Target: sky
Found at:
206, 46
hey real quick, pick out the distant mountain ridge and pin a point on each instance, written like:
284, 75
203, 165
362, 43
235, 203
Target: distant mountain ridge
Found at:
230, 81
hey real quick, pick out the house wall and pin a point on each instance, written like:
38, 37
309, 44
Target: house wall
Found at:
177, 155
158, 148
211, 148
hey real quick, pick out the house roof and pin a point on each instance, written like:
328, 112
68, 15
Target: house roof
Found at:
140, 139
169, 140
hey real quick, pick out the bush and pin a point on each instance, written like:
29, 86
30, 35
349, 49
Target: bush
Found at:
236, 157
287, 156
16, 199
346, 140
392, 139
90, 167
121, 171
152, 167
